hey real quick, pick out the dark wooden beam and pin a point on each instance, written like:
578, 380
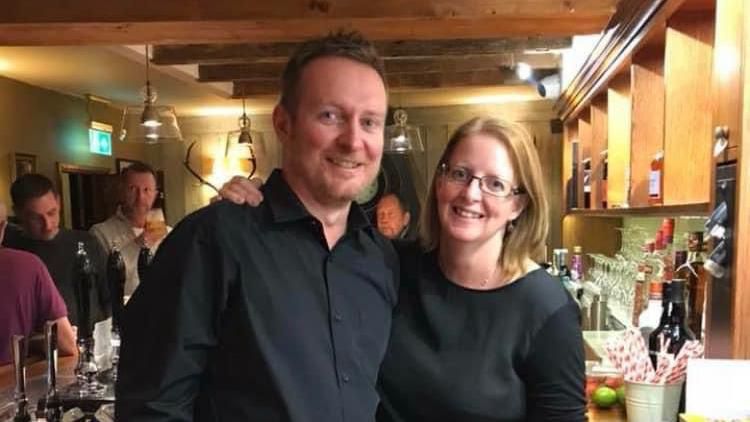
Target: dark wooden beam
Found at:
406, 81
263, 70
44, 22
406, 49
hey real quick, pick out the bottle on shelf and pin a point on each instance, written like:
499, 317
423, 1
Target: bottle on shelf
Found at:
571, 187
656, 180
603, 185
672, 332
587, 183
667, 229
696, 283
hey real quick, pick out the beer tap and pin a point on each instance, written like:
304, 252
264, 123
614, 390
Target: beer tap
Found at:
116, 280
86, 369
53, 409
18, 345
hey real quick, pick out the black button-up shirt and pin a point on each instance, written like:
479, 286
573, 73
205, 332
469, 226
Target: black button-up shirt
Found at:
247, 315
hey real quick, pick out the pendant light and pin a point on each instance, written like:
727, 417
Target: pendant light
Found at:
149, 123
244, 143
401, 138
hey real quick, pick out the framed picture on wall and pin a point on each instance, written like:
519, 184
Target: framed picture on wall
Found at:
21, 164
123, 163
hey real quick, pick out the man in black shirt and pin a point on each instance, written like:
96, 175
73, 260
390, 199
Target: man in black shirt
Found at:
36, 203
280, 312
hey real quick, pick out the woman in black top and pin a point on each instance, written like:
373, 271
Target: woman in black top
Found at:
481, 333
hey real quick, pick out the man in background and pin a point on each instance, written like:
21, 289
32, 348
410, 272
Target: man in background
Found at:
127, 228
392, 217
29, 298
36, 203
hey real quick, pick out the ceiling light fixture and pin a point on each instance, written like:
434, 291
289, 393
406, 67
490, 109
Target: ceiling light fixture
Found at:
149, 123
244, 143
401, 138
523, 71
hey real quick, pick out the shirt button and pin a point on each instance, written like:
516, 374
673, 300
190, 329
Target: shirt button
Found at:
337, 317
345, 377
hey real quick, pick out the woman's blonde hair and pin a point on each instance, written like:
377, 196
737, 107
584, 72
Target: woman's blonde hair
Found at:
529, 233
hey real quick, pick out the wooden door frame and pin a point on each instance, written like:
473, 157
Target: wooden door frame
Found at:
63, 168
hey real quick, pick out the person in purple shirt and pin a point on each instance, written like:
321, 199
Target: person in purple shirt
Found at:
29, 298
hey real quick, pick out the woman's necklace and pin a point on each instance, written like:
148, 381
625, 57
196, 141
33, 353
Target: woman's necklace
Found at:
488, 281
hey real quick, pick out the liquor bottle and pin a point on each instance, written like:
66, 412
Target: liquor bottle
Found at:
576, 264
672, 327
649, 318
667, 254
587, 183
696, 283
642, 279
572, 184
603, 186
656, 180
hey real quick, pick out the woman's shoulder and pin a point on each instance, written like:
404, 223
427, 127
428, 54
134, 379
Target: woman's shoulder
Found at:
541, 292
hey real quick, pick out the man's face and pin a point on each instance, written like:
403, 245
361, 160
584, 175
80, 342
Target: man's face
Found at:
139, 193
391, 219
333, 140
41, 217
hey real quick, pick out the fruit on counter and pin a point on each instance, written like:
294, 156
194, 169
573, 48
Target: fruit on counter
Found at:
621, 395
591, 385
604, 397
614, 382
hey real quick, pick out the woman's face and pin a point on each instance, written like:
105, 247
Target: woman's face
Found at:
468, 213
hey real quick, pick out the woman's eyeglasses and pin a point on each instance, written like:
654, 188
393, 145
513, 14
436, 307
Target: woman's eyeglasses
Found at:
491, 185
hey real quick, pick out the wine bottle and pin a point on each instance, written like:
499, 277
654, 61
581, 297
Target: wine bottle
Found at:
672, 332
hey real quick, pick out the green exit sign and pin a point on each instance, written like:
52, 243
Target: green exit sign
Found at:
100, 142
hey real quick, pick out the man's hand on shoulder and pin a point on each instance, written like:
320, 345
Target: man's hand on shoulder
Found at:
241, 190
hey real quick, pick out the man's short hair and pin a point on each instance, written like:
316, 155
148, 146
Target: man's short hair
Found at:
350, 45
136, 167
30, 186
400, 201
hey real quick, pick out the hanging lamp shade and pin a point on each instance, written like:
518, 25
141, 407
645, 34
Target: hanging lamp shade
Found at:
244, 143
401, 138
149, 122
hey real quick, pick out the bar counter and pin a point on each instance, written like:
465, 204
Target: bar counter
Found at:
615, 414
66, 365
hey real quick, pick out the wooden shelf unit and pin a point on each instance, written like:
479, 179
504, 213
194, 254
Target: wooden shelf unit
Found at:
692, 210
647, 116
687, 105
664, 76
659, 101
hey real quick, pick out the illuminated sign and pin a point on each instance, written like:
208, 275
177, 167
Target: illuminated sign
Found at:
100, 142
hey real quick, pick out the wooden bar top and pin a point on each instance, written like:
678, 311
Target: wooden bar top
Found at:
614, 414
67, 364
38, 367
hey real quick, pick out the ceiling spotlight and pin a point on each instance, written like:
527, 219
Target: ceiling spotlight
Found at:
523, 71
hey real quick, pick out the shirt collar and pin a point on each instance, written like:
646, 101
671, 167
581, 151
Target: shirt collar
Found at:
285, 205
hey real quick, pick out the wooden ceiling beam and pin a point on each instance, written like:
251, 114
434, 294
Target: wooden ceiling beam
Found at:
389, 50
35, 11
41, 22
405, 81
265, 70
